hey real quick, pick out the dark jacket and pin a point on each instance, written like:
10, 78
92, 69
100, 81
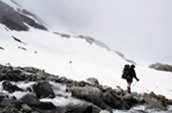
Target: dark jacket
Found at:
131, 74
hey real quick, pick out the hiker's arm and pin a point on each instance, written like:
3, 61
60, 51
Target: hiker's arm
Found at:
134, 73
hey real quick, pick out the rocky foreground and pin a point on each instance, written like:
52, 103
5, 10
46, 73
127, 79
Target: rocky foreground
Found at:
47, 93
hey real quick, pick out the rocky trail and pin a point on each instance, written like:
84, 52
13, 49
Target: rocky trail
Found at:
31, 90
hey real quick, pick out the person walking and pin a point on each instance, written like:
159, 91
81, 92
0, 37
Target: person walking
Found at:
128, 74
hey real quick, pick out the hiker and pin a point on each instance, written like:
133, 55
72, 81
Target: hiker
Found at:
128, 74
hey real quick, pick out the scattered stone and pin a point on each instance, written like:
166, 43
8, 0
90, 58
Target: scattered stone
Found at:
65, 35
22, 48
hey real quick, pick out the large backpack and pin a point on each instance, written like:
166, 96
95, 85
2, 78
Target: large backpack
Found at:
125, 71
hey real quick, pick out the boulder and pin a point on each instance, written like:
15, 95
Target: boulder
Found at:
129, 101
112, 100
88, 93
43, 90
31, 100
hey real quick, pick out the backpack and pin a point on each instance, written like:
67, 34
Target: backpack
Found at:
125, 71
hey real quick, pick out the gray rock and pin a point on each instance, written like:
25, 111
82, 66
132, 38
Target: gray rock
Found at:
128, 96
161, 67
31, 100
2, 48
93, 81
104, 111
44, 89
88, 93
26, 108
112, 100
84, 108
156, 101
35, 112
47, 106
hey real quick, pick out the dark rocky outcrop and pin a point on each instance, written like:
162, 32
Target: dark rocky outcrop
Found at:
18, 40
22, 48
8, 86
92, 95
11, 18
123, 57
11, 74
15, 20
161, 67
156, 101
2, 48
91, 40
31, 22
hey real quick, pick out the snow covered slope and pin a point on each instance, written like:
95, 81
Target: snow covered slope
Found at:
75, 58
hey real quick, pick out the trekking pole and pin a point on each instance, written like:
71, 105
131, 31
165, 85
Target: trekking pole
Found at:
134, 84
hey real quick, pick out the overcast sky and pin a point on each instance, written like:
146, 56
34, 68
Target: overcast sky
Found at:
141, 29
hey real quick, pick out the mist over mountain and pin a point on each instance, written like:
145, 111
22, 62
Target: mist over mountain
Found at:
140, 29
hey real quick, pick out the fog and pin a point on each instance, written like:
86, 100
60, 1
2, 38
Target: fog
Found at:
141, 29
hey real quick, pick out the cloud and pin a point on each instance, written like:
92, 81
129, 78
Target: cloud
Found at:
141, 29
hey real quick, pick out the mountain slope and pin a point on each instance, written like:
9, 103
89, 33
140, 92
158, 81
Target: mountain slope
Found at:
74, 58
16, 20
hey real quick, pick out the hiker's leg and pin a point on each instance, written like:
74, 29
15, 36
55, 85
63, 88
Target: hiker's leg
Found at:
129, 87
